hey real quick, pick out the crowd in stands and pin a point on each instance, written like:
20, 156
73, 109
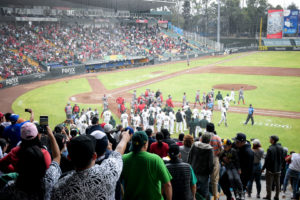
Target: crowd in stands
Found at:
53, 43
108, 161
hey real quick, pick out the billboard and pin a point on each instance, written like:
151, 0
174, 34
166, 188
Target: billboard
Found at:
290, 21
275, 24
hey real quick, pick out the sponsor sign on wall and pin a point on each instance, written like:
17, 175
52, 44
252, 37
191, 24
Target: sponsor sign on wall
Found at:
290, 21
275, 24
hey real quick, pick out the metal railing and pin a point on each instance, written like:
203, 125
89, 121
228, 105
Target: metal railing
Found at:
210, 44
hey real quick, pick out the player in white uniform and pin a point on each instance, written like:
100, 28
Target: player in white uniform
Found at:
159, 119
195, 113
172, 122
186, 106
208, 115
232, 96
227, 101
166, 122
184, 121
202, 113
223, 115
145, 116
124, 119
136, 121
107, 115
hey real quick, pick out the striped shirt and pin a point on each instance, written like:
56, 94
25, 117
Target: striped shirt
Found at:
216, 143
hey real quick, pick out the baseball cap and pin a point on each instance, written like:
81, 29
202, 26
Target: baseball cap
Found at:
131, 131
108, 128
241, 137
1, 115
275, 138
227, 142
102, 125
81, 150
256, 142
28, 131
101, 142
14, 117
173, 150
139, 139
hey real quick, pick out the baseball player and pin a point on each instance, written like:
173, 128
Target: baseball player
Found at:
232, 96
223, 115
166, 122
159, 120
136, 121
241, 95
195, 113
106, 115
188, 59
186, 107
226, 101
172, 121
250, 115
202, 113
151, 121
124, 119
219, 98
209, 115
197, 98
204, 98
179, 121
134, 95
184, 120
145, 117
184, 100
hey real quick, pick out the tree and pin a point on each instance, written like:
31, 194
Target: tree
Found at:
292, 6
186, 14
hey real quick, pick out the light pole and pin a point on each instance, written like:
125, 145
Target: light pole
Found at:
218, 28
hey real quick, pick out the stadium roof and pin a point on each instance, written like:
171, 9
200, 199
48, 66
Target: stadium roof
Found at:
130, 5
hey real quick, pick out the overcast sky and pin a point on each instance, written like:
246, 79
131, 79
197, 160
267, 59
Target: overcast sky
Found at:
284, 3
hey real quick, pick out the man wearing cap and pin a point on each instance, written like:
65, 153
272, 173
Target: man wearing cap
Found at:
108, 129
273, 165
145, 175
184, 179
68, 111
250, 115
90, 180
13, 132
246, 157
219, 98
95, 126
201, 160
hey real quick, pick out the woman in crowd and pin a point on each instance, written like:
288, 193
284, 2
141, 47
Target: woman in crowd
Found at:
188, 141
160, 148
256, 175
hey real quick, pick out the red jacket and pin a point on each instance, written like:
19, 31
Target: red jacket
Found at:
9, 162
120, 100
170, 103
141, 107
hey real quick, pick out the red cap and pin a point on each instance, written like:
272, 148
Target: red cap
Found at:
1, 115
102, 125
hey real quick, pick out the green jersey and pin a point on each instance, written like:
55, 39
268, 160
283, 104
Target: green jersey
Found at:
144, 174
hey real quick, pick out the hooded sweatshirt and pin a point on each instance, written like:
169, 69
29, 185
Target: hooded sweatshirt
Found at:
201, 158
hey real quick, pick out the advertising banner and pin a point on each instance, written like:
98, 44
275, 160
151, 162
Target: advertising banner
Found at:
142, 21
299, 25
275, 24
290, 21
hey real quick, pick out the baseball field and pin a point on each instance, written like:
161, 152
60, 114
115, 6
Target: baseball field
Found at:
271, 80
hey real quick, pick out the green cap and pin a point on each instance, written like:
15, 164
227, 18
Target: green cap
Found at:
139, 139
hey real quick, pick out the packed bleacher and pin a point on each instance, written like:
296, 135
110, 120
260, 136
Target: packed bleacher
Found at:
56, 45
89, 156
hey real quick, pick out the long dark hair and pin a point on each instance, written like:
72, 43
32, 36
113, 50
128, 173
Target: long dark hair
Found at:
159, 138
31, 168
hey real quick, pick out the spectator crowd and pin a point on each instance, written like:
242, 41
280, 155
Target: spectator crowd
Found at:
85, 158
56, 44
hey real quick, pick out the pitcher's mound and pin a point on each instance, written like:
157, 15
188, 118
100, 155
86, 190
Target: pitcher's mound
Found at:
234, 86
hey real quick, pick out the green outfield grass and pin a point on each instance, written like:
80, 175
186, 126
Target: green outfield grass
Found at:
286, 129
272, 92
287, 59
51, 100
124, 78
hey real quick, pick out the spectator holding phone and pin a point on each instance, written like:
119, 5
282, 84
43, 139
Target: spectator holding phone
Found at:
37, 173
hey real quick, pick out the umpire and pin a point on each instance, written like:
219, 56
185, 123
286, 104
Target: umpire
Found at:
250, 115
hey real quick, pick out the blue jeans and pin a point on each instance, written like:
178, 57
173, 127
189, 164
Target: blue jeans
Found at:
256, 175
294, 176
203, 185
